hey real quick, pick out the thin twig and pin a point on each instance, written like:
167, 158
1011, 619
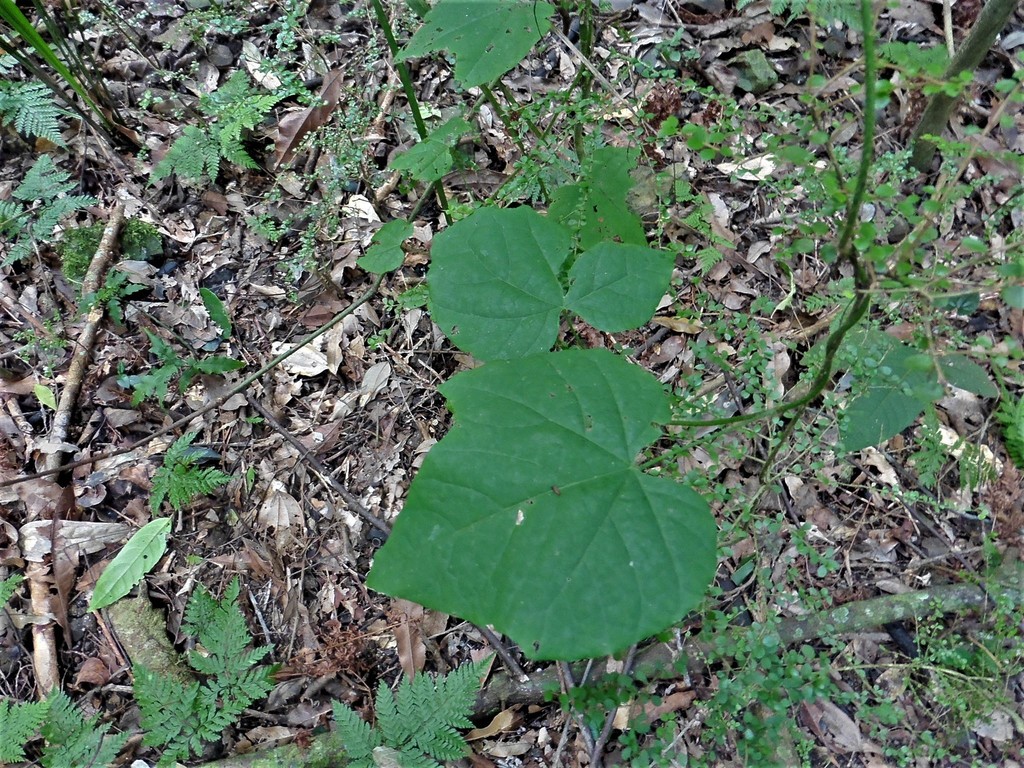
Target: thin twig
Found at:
242, 386
325, 474
510, 663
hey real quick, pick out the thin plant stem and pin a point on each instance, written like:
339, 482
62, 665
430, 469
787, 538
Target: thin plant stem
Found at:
407, 86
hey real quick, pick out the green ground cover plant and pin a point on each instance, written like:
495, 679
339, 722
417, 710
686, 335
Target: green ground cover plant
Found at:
590, 495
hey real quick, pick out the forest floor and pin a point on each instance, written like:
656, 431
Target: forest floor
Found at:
332, 437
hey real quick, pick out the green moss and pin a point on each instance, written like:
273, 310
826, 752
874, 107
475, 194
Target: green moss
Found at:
140, 240
76, 250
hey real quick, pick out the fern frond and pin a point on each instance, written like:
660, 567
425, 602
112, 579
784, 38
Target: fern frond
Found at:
195, 155
1011, 415
168, 711
8, 587
73, 740
30, 108
18, 724
356, 734
178, 480
44, 181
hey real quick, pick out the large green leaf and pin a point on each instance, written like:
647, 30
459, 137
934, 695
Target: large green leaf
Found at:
432, 158
493, 282
495, 289
487, 37
532, 516
617, 287
134, 561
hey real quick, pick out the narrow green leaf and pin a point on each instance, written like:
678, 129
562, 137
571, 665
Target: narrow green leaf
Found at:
487, 37
218, 312
532, 516
134, 561
385, 254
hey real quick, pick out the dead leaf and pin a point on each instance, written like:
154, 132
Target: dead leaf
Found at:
293, 127
499, 723
412, 653
679, 324
281, 513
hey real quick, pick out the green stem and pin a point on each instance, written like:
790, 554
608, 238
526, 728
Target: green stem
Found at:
863, 275
407, 86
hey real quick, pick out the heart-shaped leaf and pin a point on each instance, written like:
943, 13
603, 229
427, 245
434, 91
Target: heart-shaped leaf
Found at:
532, 516
495, 288
488, 37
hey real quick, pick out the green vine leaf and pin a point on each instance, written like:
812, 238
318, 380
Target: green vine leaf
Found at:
385, 254
495, 289
432, 158
532, 516
134, 561
487, 37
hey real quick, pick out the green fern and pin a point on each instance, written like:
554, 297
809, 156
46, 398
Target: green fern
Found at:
73, 740
18, 725
29, 107
44, 193
417, 726
846, 12
182, 717
179, 480
8, 587
1011, 415
234, 109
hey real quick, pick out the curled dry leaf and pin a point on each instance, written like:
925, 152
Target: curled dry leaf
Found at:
294, 127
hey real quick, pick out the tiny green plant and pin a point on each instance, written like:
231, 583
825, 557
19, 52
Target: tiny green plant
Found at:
417, 725
182, 716
41, 202
234, 109
179, 480
156, 382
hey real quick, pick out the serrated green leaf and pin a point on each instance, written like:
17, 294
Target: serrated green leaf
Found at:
487, 37
532, 516
385, 254
134, 561
45, 396
217, 311
432, 158
617, 287
219, 364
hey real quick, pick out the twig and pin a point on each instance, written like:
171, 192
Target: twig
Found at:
506, 657
242, 386
40, 573
325, 474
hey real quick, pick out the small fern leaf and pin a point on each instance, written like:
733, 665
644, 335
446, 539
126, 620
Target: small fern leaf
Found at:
30, 108
73, 740
18, 725
8, 587
1011, 415
359, 739
195, 155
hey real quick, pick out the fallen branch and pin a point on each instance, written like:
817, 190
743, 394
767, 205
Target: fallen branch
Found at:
662, 662
41, 574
